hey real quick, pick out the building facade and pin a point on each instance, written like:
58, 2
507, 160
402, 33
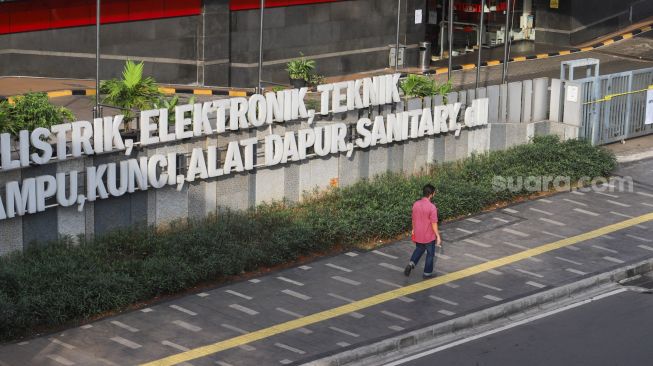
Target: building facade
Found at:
216, 42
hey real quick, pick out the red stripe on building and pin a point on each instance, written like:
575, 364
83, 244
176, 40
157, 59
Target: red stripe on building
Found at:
256, 4
33, 15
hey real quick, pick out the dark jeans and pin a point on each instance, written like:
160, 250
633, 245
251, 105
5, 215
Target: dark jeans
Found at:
430, 254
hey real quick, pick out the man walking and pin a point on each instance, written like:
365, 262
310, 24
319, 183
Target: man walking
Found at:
425, 232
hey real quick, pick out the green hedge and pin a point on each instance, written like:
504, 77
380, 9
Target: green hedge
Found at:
55, 284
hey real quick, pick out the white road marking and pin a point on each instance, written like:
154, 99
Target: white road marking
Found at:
346, 280
476, 257
340, 330
575, 271
646, 204
533, 259
575, 202
510, 210
87, 326
529, 273
124, 326
544, 200
396, 316
554, 222
406, 299
494, 272
220, 363
391, 266
572, 248
477, 243
487, 286
202, 294
338, 267
618, 203
578, 193
396, 328
379, 280
515, 245
62, 344
235, 329
304, 330
446, 312
147, 310
351, 254
296, 294
288, 312
613, 259
620, 214
126, 342
289, 348
645, 247
239, 294
535, 284
639, 238
384, 254
569, 261
515, 232
175, 346
297, 283
442, 256
356, 315
590, 213
285, 361
541, 211
243, 309
345, 299
604, 249
247, 347
607, 194
493, 298
465, 231
183, 310
304, 268
254, 280
473, 220
554, 235
645, 194
61, 360
500, 329
443, 300
187, 326
500, 219
343, 344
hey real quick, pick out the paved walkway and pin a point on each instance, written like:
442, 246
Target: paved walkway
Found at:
355, 298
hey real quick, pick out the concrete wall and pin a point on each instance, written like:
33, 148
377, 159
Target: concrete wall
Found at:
343, 37
580, 21
511, 124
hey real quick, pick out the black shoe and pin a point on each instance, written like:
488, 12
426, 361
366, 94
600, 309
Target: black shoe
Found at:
407, 270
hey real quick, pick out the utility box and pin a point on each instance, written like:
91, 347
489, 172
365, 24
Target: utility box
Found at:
402, 53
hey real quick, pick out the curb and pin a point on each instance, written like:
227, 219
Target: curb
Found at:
631, 34
481, 317
164, 90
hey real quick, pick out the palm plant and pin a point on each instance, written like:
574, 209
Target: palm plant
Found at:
132, 92
170, 104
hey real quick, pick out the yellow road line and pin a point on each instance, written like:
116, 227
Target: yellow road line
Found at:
519, 58
202, 92
608, 42
627, 36
90, 91
647, 28
565, 52
587, 48
468, 66
391, 295
543, 55
493, 63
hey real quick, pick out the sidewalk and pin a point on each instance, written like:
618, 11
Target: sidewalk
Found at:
353, 299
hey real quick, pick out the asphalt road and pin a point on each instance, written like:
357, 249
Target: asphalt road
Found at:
613, 331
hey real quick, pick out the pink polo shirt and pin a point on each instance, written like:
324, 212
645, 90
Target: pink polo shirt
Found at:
424, 215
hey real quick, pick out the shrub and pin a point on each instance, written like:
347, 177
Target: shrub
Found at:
52, 285
30, 111
423, 86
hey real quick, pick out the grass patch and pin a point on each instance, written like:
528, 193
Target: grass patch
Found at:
52, 285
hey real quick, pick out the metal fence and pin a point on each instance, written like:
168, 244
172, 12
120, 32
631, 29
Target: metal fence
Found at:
614, 106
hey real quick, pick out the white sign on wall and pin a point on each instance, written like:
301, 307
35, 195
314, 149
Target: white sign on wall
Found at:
211, 118
649, 107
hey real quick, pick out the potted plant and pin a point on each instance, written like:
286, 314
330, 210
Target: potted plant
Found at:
299, 71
